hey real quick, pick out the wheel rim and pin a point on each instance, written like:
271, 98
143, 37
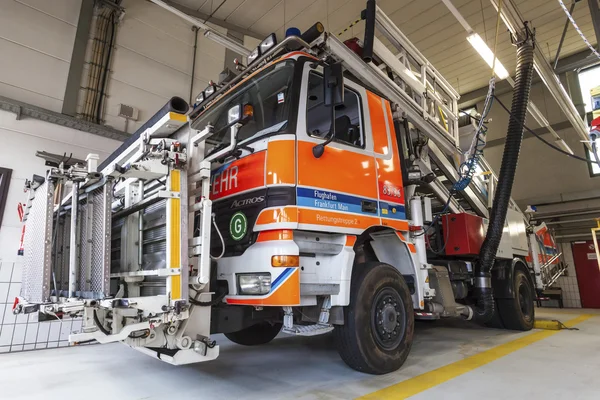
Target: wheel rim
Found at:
388, 319
525, 300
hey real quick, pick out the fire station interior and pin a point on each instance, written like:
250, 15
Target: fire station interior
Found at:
318, 199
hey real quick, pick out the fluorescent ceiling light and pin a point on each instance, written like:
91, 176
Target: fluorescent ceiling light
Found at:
487, 55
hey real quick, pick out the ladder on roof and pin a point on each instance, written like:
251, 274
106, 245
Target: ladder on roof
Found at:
426, 99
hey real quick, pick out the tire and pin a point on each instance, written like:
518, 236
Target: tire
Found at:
254, 335
378, 292
519, 313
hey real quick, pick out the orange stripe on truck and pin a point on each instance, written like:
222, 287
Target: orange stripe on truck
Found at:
380, 138
287, 294
278, 234
336, 219
277, 215
281, 162
393, 223
350, 240
354, 172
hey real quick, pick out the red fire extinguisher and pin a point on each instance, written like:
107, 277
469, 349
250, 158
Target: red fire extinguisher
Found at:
21, 213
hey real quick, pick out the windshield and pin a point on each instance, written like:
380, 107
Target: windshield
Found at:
268, 94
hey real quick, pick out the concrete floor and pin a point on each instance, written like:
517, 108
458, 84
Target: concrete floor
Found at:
564, 364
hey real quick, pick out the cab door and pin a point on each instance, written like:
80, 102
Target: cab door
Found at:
337, 192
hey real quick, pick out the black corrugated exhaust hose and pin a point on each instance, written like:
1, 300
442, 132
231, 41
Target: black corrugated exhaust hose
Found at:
484, 309
175, 104
313, 32
368, 15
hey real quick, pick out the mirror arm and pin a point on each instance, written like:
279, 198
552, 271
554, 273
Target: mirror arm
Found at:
232, 143
319, 149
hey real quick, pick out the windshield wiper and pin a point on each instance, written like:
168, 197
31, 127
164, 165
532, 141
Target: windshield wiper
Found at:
236, 152
217, 148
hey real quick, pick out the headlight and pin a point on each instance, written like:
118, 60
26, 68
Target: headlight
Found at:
254, 283
254, 55
268, 43
200, 98
233, 115
209, 91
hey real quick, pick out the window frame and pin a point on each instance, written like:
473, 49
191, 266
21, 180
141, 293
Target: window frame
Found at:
360, 113
5, 175
247, 85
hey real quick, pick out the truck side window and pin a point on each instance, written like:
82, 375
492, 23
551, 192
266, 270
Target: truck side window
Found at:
348, 117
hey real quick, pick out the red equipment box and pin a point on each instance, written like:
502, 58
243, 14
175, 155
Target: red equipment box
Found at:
464, 234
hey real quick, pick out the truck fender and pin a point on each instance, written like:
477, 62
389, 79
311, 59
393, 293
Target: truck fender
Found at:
502, 277
389, 247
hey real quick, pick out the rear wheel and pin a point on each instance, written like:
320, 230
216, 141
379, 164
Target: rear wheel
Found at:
518, 313
261, 333
379, 322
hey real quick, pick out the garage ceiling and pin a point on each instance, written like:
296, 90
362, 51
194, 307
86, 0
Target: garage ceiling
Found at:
427, 23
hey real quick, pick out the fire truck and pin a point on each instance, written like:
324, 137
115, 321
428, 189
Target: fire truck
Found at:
325, 187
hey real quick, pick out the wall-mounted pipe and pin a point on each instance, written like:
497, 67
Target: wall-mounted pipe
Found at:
541, 217
195, 30
571, 221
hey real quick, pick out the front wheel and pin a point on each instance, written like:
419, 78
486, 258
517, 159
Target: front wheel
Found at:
261, 333
379, 321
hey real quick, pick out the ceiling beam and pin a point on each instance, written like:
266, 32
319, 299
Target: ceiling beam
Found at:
583, 59
205, 17
595, 11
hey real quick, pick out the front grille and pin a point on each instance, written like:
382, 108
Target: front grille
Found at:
226, 208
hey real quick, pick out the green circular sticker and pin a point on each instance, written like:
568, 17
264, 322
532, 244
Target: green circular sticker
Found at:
238, 226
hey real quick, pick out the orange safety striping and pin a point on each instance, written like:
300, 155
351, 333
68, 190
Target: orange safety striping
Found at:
278, 234
380, 138
287, 294
337, 170
401, 236
281, 162
337, 219
277, 215
389, 179
350, 240
238, 176
411, 246
297, 53
399, 225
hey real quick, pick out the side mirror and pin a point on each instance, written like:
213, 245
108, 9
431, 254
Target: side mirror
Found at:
333, 84
333, 95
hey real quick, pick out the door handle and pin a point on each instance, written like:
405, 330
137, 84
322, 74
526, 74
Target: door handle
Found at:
369, 206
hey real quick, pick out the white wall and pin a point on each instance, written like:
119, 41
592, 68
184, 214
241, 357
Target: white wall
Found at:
153, 62
19, 142
568, 283
36, 41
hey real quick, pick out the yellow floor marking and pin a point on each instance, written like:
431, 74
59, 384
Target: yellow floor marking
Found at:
420, 383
